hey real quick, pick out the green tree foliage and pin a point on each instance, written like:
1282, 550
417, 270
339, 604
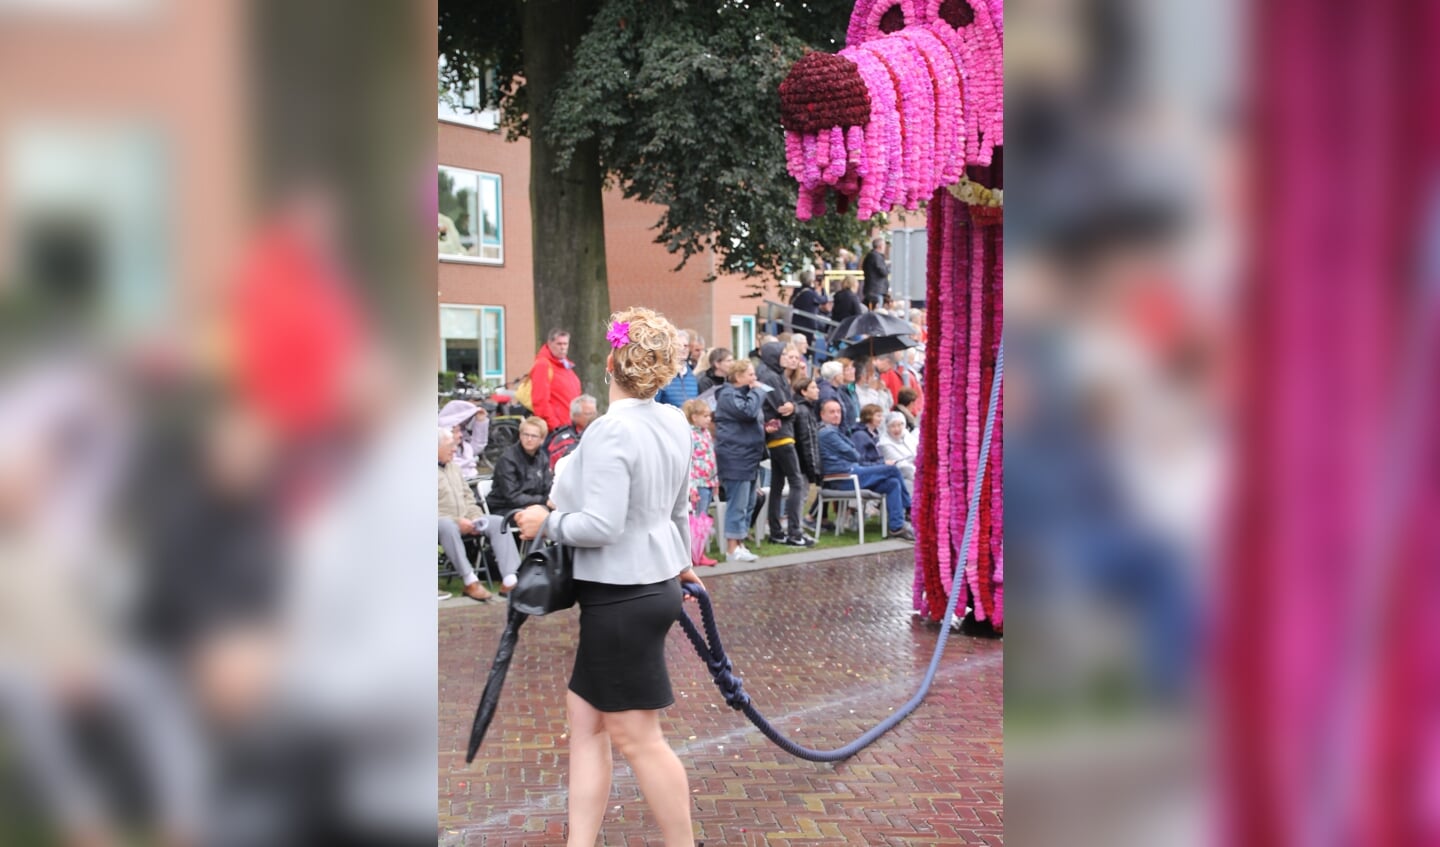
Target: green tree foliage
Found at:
679, 98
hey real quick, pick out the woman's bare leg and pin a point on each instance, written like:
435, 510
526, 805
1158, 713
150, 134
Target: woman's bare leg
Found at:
662, 776
590, 767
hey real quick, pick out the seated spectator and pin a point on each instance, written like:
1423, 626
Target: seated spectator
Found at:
460, 516
908, 405
839, 456
866, 436
522, 476
471, 426
563, 441
718, 369
897, 445
870, 387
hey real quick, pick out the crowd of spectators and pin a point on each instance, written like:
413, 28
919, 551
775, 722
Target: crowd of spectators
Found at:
817, 424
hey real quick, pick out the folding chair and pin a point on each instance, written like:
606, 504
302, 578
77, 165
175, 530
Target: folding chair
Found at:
854, 495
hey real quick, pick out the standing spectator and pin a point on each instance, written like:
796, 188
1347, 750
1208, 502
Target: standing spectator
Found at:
522, 475
779, 410
807, 303
622, 506
838, 456
553, 382
739, 448
847, 304
877, 274
897, 446
718, 370
907, 366
684, 386
704, 478
796, 359
704, 475
870, 388
460, 515
697, 349
807, 427
888, 370
802, 346
564, 440
838, 383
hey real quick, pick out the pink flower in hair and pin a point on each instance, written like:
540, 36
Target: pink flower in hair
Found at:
618, 335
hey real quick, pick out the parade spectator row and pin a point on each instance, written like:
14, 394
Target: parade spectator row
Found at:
815, 426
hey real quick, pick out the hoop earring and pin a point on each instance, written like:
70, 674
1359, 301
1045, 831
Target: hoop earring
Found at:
607, 377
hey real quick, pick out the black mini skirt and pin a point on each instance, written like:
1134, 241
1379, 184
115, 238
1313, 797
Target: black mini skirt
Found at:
620, 663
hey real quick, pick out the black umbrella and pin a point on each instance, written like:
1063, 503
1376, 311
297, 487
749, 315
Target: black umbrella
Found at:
878, 345
491, 697
865, 325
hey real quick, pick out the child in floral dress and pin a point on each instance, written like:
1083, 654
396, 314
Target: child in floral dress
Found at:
704, 478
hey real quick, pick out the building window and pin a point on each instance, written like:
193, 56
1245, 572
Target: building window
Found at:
472, 341
471, 229
907, 265
86, 219
742, 335
463, 106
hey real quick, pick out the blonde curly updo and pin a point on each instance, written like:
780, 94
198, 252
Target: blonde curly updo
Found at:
651, 358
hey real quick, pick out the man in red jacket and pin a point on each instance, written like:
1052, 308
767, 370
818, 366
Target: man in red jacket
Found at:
553, 382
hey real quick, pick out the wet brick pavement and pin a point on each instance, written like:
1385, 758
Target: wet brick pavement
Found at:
826, 650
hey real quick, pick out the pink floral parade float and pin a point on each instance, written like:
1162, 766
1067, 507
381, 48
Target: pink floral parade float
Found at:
912, 111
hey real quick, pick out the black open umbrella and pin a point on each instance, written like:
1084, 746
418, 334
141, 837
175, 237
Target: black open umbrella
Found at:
875, 345
491, 697
866, 325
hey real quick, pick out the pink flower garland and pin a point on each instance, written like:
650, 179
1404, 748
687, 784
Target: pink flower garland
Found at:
882, 137
943, 413
949, 155
974, 408
917, 116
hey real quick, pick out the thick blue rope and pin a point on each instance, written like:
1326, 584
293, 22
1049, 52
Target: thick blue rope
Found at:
732, 687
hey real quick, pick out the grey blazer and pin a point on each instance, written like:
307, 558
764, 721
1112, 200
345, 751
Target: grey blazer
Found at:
623, 500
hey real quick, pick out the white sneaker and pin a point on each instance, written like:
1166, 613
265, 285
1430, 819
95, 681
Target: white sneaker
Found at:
740, 554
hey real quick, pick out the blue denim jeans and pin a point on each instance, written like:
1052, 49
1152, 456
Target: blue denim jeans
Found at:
888, 481
739, 503
704, 505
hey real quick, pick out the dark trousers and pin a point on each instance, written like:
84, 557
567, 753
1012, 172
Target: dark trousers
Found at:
785, 470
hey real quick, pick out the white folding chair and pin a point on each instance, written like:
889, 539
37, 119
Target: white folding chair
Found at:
851, 495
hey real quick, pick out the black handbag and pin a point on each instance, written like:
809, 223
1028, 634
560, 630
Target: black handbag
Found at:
545, 582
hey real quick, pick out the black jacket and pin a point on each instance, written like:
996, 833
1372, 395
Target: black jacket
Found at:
808, 300
739, 433
807, 441
877, 275
773, 375
520, 480
846, 304
707, 379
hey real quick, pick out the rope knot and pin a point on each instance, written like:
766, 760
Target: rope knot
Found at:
732, 688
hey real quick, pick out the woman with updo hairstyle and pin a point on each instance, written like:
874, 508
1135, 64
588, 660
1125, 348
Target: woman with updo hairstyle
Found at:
623, 505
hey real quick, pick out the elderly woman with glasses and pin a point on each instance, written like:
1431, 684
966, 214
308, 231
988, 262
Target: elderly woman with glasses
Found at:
522, 475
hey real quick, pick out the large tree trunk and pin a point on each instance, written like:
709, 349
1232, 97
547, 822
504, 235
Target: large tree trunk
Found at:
567, 215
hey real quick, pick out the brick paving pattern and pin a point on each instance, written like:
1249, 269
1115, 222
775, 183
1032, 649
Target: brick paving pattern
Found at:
826, 650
